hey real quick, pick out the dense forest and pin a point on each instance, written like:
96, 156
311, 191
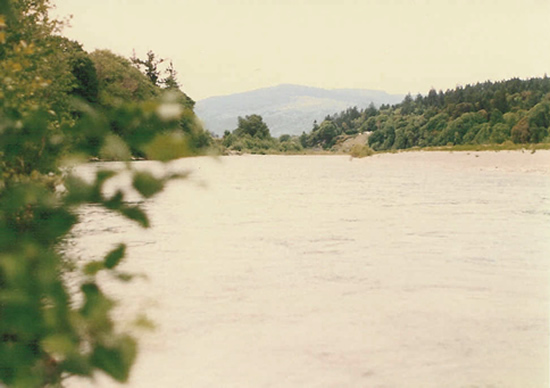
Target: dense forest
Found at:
491, 113
486, 113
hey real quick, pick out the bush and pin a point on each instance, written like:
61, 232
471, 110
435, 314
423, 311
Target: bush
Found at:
361, 151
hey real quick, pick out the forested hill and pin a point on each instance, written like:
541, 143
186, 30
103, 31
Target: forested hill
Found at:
56, 75
490, 112
286, 109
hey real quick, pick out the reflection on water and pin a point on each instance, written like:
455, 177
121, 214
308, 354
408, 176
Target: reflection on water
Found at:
417, 270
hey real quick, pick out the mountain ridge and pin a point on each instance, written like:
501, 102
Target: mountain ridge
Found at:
286, 108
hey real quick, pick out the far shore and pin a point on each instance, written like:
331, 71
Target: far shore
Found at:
450, 148
339, 151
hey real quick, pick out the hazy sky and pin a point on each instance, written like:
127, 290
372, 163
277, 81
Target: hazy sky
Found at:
400, 46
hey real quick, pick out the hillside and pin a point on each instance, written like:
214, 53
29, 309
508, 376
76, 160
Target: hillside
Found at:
510, 111
287, 109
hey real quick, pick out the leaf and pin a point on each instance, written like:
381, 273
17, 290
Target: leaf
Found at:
168, 146
115, 202
103, 175
77, 365
53, 223
114, 148
146, 184
78, 190
93, 267
136, 214
117, 359
113, 258
124, 276
96, 306
58, 344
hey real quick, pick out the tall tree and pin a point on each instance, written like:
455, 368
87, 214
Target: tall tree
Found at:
254, 126
171, 80
150, 66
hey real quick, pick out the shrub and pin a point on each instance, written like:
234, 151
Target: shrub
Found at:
361, 151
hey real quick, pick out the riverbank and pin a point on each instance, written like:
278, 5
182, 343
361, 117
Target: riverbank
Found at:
350, 145
357, 146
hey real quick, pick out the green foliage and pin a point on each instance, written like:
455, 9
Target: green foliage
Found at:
119, 81
171, 80
85, 74
149, 66
290, 145
242, 140
252, 135
46, 335
284, 138
253, 126
147, 184
126, 94
326, 134
361, 151
48, 330
519, 111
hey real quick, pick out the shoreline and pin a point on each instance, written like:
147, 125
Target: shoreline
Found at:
493, 148
532, 148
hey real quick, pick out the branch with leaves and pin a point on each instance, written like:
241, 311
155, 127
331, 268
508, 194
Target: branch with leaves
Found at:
48, 330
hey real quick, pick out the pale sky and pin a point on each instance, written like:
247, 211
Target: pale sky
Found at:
400, 46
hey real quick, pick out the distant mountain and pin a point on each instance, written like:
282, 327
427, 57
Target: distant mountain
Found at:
287, 109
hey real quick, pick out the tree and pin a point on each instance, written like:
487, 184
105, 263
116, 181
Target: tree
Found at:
500, 102
253, 126
457, 116
407, 105
85, 74
500, 133
30, 62
28, 21
371, 111
327, 133
533, 128
284, 138
119, 81
149, 66
520, 132
432, 99
171, 80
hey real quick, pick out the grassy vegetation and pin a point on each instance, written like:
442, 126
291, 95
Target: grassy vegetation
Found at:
361, 151
275, 147
506, 146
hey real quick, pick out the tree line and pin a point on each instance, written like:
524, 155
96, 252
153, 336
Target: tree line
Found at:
485, 113
253, 135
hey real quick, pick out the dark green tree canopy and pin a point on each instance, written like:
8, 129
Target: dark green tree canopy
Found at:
253, 126
120, 81
489, 112
85, 83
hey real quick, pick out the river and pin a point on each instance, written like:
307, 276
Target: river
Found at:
397, 270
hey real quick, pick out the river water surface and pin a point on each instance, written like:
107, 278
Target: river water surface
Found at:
404, 270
